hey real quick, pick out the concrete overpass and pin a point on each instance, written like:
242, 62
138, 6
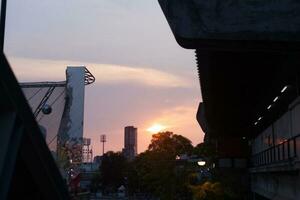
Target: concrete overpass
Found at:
247, 54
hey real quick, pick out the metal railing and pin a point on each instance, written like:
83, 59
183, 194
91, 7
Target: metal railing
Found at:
88, 77
280, 153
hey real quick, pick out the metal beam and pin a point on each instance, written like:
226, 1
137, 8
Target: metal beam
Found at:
43, 84
43, 101
2, 24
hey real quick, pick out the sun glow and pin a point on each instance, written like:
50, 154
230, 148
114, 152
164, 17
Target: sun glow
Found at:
155, 128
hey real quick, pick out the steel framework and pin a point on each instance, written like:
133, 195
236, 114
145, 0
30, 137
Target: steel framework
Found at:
89, 78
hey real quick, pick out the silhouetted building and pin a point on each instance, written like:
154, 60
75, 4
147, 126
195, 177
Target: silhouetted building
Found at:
130, 142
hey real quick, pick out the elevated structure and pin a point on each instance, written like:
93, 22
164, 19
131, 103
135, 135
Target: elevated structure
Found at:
247, 54
59, 110
235, 25
59, 106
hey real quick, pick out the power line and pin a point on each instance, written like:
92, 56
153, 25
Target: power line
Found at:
52, 139
34, 94
56, 99
43, 101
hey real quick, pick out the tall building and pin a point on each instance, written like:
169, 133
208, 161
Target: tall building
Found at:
130, 142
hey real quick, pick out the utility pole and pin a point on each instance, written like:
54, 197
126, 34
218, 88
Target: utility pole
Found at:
2, 24
103, 140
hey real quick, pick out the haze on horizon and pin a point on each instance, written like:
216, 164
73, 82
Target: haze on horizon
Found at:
143, 77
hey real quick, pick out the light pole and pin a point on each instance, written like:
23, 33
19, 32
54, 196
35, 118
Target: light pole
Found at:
201, 163
103, 140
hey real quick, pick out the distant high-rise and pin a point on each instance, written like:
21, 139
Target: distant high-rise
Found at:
130, 142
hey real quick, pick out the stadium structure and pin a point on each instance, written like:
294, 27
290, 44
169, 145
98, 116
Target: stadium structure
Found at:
58, 108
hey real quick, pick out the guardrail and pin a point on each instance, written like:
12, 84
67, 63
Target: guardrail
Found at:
280, 153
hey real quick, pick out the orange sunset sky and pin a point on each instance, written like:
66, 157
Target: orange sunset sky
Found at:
143, 77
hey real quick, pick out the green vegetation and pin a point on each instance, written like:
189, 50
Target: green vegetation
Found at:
112, 174
157, 173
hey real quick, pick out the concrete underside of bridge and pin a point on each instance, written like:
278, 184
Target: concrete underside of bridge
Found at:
236, 24
248, 62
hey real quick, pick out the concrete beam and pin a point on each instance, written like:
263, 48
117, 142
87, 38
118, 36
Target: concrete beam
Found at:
241, 20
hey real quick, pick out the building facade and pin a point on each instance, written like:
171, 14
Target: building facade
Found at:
275, 157
130, 142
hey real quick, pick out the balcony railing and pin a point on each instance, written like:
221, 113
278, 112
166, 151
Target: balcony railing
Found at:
280, 153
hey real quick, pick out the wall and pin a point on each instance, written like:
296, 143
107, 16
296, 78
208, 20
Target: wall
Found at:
49, 124
72, 122
287, 126
279, 179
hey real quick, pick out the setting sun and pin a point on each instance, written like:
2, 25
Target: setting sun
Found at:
156, 128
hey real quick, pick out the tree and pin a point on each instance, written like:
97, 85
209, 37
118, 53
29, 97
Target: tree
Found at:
154, 171
112, 171
170, 143
208, 191
205, 150
157, 172
96, 182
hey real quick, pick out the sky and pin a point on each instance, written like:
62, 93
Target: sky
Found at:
143, 77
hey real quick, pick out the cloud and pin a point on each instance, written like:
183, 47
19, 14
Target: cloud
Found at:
180, 120
151, 77
47, 70
177, 116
